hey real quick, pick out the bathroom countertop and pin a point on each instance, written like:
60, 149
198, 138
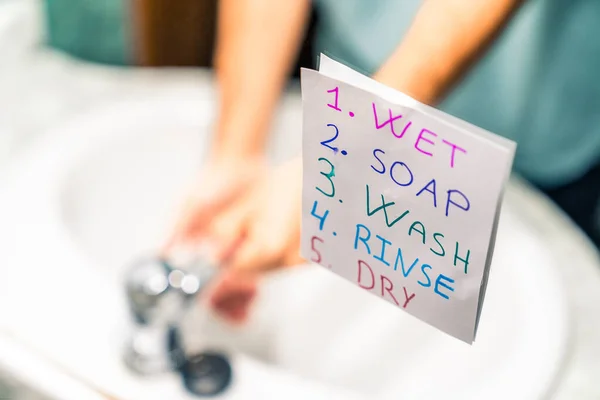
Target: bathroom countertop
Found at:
40, 88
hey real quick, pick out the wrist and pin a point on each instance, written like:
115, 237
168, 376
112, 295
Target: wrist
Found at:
234, 141
419, 87
235, 153
240, 132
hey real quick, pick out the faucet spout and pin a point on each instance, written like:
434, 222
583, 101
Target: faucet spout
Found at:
160, 292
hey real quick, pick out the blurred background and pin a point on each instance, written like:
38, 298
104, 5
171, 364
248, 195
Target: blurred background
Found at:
45, 41
106, 107
54, 37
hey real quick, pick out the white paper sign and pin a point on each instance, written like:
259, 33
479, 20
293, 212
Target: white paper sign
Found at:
400, 198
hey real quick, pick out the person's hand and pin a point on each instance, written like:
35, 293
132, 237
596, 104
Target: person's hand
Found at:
262, 229
219, 185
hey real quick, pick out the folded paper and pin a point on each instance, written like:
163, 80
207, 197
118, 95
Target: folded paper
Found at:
400, 198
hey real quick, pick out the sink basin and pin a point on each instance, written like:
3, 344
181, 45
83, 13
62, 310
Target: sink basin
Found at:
100, 191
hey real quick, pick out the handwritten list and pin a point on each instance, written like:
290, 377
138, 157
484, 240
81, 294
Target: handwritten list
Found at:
400, 198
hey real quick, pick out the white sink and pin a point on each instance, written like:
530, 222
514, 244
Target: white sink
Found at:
91, 196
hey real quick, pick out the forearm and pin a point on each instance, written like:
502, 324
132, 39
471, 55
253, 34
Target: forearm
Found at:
257, 43
445, 39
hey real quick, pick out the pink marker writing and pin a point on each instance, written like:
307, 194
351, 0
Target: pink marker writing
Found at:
426, 141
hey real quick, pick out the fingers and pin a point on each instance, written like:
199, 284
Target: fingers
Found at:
292, 256
255, 255
191, 224
206, 202
228, 229
270, 239
235, 291
198, 219
233, 295
221, 235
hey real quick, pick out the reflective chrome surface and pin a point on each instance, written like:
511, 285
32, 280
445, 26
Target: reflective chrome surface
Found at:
159, 293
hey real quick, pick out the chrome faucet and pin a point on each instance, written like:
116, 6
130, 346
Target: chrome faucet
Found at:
160, 291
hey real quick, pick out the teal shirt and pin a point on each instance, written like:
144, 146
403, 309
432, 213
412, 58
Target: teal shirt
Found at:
537, 84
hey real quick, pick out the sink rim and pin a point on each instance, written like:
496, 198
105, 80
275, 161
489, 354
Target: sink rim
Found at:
47, 158
51, 380
50, 142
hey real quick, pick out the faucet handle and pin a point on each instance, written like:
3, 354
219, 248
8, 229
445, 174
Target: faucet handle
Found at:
159, 290
198, 270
